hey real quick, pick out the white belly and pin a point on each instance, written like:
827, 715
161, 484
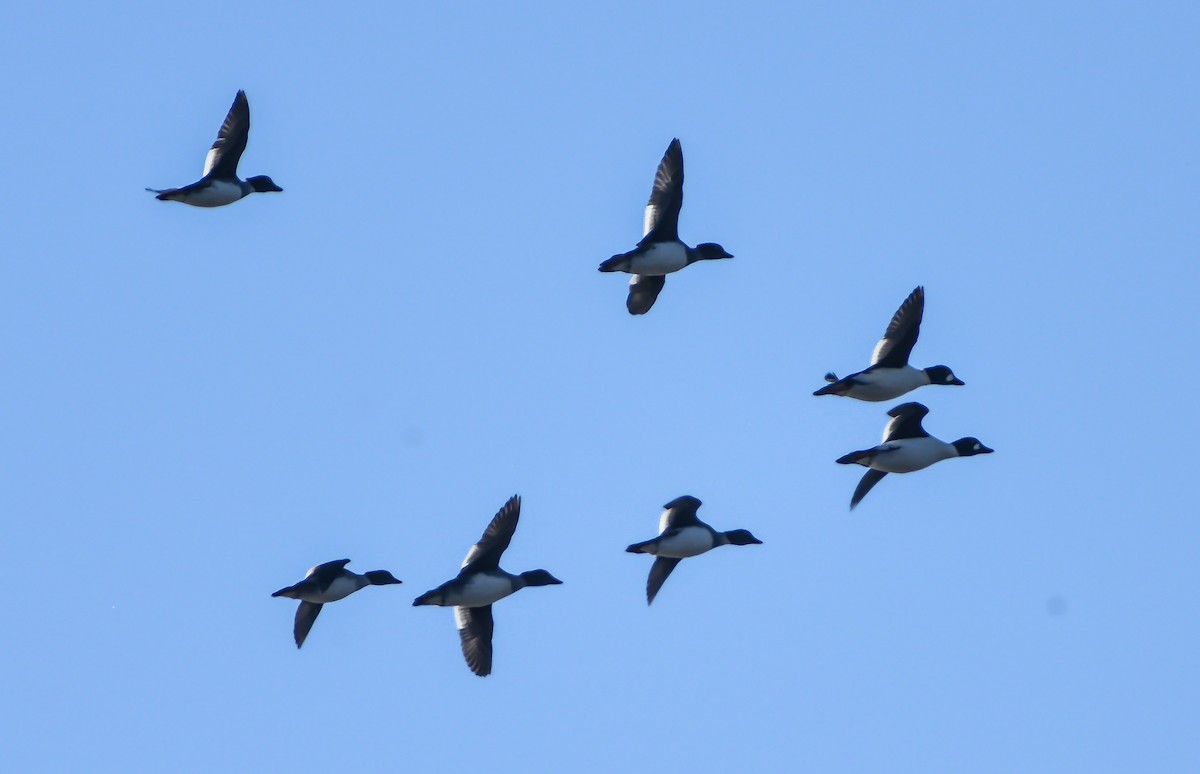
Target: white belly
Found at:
218, 194
909, 454
339, 589
660, 259
479, 591
689, 541
887, 383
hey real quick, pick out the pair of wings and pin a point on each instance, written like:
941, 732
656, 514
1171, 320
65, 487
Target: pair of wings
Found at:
898, 340
475, 624
680, 512
905, 423
322, 575
661, 224
222, 159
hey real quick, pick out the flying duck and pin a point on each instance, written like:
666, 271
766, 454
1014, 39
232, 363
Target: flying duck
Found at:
889, 375
906, 447
327, 582
660, 252
220, 184
680, 535
481, 582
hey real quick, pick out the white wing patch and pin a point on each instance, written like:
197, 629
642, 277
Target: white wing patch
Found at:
210, 160
648, 222
662, 520
880, 350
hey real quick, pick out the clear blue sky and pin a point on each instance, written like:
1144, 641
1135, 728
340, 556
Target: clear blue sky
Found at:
200, 404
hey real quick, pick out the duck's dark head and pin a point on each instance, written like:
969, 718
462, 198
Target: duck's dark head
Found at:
940, 374
381, 578
741, 537
708, 251
539, 578
969, 447
290, 591
262, 184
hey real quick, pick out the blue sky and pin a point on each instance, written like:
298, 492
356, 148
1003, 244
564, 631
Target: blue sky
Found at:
201, 404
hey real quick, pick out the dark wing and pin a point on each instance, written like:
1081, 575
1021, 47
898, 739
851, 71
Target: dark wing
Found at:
485, 555
680, 512
226, 151
869, 479
662, 211
323, 574
658, 576
475, 630
906, 422
643, 292
306, 616
893, 349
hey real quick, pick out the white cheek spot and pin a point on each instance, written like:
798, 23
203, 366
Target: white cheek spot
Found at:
949, 377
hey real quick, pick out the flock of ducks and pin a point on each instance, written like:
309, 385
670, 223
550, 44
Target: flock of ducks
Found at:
480, 582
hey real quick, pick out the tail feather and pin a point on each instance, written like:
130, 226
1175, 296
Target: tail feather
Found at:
860, 457
836, 386
613, 264
642, 548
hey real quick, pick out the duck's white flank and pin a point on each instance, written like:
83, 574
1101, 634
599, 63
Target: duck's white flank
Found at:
661, 258
216, 194
887, 383
480, 590
689, 541
909, 454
